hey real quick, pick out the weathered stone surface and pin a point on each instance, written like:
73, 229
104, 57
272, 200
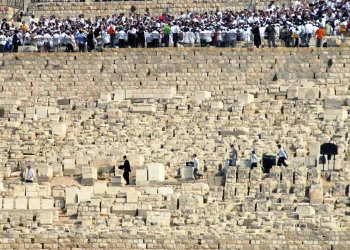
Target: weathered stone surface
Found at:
73, 123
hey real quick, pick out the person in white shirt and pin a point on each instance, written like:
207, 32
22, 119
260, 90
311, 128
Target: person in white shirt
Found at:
308, 30
195, 166
30, 175
56, 41
282, 156
70, 42
122, 38
253, 160
175, 30
39, 41
105, 38
47, 42
3, 41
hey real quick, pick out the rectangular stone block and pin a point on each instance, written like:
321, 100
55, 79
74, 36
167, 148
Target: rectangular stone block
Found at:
202, 95
45, 217
136, 161
8, 202
132, 197
112, 190
72, 195
308, 93
335, 114
89, 172
156, 172
119, 95
34, 203
187, 172
216, 105
44, 170
52, 110
41, 112
69, 169
151, 190
44, 190
160, 93
59, 129
245, 98
57, 170
84, 194
30, 110
21, 203
161, 218
100, 187
63, 102
336, 101
116, 180
144, 108
127, 208
141, 177
19, 190
165, 190
47, 203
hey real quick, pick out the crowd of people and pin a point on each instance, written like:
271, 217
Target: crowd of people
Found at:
290, 26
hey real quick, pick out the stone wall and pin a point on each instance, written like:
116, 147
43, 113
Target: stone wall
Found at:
73, 117
220, 71
156, 7
290, 240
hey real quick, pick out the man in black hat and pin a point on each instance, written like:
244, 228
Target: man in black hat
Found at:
5, 25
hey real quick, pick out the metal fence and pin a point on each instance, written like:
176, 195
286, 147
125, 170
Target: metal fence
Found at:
16, 4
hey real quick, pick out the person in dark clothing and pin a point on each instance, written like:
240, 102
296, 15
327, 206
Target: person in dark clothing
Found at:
141, 37
270, 32
15, 41
127, 169
90, 41
97, 32
256, 33
5, 25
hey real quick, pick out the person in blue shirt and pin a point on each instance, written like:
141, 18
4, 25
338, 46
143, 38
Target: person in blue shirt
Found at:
81, 40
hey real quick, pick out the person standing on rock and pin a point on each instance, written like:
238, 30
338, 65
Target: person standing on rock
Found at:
233, 156
195, 166
126, 168
282, 156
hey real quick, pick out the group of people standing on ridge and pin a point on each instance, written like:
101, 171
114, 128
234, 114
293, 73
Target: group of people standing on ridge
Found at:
292, 26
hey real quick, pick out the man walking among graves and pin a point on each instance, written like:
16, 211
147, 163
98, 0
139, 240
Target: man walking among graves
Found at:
282, 156
126, 168
195, 166
234, 156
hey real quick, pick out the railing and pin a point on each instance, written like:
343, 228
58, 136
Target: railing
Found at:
16, 4
14, 15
